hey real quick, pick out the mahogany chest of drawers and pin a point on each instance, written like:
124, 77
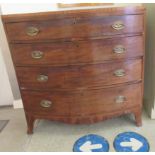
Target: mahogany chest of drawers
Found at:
79, 66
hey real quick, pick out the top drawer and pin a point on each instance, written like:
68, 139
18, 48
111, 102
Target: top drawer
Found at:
76, 28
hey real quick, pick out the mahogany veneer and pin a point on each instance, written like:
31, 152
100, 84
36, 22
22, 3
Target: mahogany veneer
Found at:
79, 66
76, 77
98, 50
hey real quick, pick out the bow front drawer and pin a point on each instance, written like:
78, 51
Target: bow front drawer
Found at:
76, 28
64, 53
85, 76
83, 103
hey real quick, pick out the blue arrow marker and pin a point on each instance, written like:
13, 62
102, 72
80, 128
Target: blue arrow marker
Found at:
88, 146
91, 143
131, 142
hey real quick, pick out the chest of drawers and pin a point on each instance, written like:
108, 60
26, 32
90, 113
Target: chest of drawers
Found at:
80, 66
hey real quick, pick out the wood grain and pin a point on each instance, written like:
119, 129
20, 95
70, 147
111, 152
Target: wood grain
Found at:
77, 52
84, 13
74, 28
102, 101
77, 77
87, 103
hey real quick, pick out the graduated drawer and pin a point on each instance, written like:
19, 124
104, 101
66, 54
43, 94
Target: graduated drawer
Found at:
84, 76
64, 53
83, 103
74, 28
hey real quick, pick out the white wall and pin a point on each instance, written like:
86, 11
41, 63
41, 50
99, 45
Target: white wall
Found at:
26, 8
6, 96
30, 8
8, 62
149, 95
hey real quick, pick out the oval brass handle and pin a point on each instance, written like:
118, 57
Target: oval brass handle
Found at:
45, 103
118, 25
37, 54
119, 49
119, 72
32, 31
120, 99
42, 78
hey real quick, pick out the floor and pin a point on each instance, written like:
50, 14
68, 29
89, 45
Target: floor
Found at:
55, 136
3, 123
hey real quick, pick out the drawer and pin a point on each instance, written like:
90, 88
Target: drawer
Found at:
76, 28
108, 101
64, 53
54, 103
83, 103
77, 77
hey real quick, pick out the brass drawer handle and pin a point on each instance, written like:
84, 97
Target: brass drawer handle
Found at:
119, 72
42, 78
118, 25
45, 103
37, 54
119, 49
120, 99
32, 31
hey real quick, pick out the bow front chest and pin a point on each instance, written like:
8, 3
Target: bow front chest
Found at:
79, 66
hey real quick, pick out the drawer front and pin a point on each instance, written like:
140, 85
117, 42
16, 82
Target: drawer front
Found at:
54, 103
74, 77
83, 103
107, 101
64, 53
74, 28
